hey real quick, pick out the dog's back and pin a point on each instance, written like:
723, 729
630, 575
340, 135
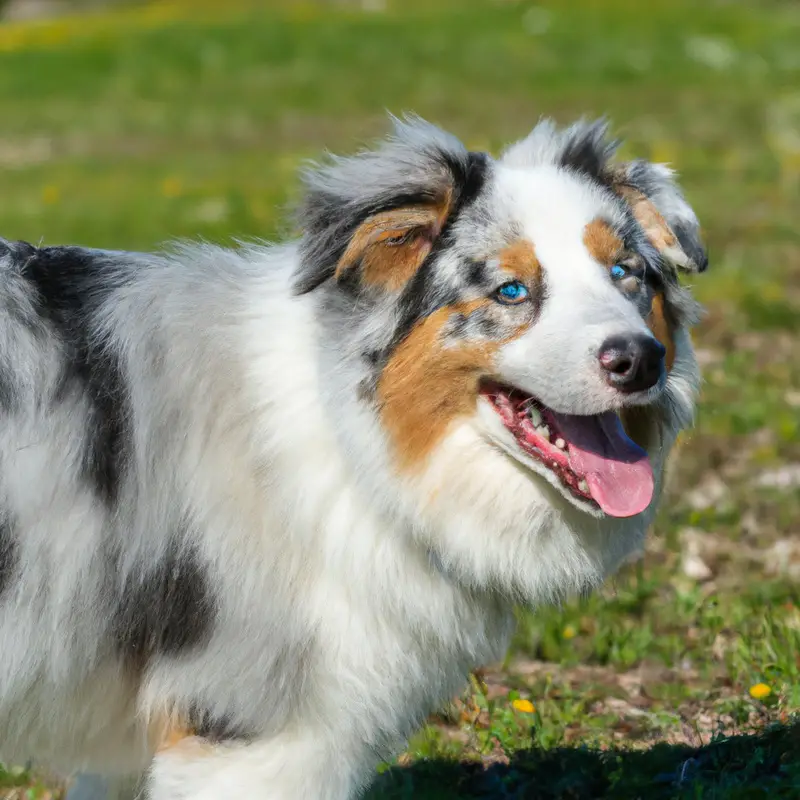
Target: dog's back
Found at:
127, 435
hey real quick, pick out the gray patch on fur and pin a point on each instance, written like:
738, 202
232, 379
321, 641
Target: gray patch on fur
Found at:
479, 324
8, 555
8, 392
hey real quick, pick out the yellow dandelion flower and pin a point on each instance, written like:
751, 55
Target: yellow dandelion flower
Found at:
569, 632
51, 195
760, 691
523, 706
171, 187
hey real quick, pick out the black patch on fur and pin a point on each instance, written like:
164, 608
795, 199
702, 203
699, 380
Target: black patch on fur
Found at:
470, 177
165, 609
475, 274
217, 728
585, 149
372, 357
350, 280
9, 556
71, 285
691, 245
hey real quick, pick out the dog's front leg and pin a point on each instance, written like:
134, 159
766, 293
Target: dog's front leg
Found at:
312, 766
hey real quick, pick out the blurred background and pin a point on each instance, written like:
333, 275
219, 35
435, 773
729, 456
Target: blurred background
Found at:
126, 124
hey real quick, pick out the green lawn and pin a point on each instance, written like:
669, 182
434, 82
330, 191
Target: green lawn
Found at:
189, 119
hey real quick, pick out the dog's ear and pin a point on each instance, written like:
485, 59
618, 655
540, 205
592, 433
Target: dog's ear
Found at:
387, 248
369, 221
661, 209
649, 189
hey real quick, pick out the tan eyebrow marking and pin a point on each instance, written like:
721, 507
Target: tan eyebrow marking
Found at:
602, 242
519, 259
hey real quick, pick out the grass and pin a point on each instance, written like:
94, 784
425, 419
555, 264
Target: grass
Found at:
133, 126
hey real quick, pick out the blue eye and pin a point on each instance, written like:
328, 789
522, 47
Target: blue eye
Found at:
618, 272
512, 292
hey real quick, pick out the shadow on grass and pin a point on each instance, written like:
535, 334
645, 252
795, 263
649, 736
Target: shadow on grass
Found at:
759, 765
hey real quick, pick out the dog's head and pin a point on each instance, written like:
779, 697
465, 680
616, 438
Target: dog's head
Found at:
507, 337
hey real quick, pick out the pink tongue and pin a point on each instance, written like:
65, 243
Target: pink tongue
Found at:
617, 470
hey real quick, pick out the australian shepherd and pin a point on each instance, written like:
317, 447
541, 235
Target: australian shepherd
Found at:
263, 509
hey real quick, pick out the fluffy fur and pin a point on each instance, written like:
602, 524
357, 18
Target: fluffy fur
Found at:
257, 519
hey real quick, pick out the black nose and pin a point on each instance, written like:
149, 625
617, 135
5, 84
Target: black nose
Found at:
632, 363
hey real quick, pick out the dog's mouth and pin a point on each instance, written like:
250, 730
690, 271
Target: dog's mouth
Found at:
590, 456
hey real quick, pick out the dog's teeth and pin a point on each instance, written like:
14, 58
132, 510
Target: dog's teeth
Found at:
561, 444
535, 415
544, 432
584, 487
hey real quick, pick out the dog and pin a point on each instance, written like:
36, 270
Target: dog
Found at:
263, 508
